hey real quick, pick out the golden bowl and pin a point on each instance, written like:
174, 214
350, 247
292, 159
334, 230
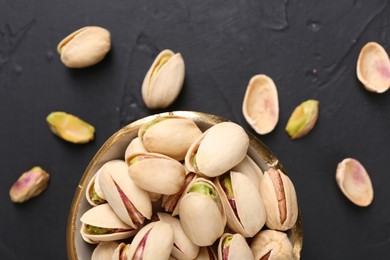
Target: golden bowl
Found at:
115, 147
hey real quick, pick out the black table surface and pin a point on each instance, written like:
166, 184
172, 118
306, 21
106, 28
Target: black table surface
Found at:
309, 48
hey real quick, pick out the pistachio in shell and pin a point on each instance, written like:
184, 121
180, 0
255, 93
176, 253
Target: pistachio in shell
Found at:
206, 253
70, 128
250, 169
272, 245
135, 146
234, 247
104, 250
120, 252
354, 181
303, 119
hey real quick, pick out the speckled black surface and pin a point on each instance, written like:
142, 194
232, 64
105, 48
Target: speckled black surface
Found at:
309, 48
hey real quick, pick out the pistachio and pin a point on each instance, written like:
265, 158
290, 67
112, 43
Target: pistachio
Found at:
250, 169
261, 105
120, 252
303, 119
271, 245
373, 68
30, 184
206, 253
354, 181
233, 246
164, 80
135, 146
104, 250
84, 47
70, 127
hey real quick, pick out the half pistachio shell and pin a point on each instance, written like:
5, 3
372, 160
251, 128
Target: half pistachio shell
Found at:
121, 252
206, 253
354, 181
272, 245
169, 135
130, 203
303, 119
250, 169
100, 223
217, 150
242, 201
280, 200
156, 173
84, 47
164, 80
154, 241
234, 247
70, 128
104, 250
261, 104
373, 68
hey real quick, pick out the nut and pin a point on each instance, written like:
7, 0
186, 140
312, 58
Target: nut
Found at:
303, 119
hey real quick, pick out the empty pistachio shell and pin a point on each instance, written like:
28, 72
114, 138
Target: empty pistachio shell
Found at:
30, 184
261, 104
272, 245
355, 182
84, 47
104, 250
164, 80
206, 253
233, 247
303, 119
70, 127
373, 68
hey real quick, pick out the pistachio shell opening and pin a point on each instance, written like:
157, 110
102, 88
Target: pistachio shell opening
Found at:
373, 68
354, 181
303, 119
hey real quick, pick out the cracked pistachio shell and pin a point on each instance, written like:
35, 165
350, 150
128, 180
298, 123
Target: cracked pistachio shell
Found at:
84, 47
354, 181
206, 253
303, 119
104, 250
261, 105
238, 191
202, 216
135, 146
217, 150
70, 128
130, 203
234, 247
102, 216
373, 68
154, 241
156, 173
164, 80
120, 252
280, 200
272, 245
250, 169
30, 184
169, 135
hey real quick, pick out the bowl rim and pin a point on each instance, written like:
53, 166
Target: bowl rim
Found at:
259, 147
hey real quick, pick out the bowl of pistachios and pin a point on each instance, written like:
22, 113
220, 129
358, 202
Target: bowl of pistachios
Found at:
184, 185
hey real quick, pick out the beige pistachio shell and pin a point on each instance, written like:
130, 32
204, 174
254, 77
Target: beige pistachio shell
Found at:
169, 135
373, 68
164, 80
217, 150
354, 181
272, 245
280, 200
84, 47
103, 216
156, 173
206, 253
261, 105
120, 252
184, 248
238, 248
248, 204
135, 146
202, 218
250, 169
158, 244
104, 250
115, 179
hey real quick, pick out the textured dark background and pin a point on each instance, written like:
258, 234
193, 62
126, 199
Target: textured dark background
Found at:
309, 48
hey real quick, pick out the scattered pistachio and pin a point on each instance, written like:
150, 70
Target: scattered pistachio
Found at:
30, 184
303, 119
70, 127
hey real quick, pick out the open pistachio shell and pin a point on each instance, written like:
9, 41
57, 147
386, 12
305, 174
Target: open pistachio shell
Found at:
217, 150
250, 169
121, 252
169, 135
354, 182
183, 248
206, 253
153, 241
100, 223
157, 173
261, 105
164, 80
373, 68
202, 213
104, 250
135, 146
280, 200
242, 201
234, 247
130, 203
272, 245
